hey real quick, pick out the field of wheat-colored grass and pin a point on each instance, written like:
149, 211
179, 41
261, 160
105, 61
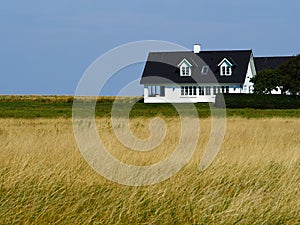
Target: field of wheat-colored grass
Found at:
255, 178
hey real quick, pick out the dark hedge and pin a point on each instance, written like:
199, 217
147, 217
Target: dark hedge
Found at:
259, 101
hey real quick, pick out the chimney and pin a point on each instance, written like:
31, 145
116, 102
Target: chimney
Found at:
197, 48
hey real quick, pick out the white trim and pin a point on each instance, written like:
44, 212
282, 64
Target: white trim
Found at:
228, 70
225, 67
184, 61
185, 66
225, 59
187, 71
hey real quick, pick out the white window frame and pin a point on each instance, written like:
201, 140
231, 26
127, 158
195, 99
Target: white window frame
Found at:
188, 90
185, 71
185, 68
225, 67
201, 90
207, 90
226, 70
154, 91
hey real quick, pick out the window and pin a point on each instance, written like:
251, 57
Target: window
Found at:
156, 91
207, 90
227, 89
188, 90
224, 89
204, 70
225, 67
228, 70
185, 71
214, 90
185, 68
182, 90
201, 90
185, 90
194, 90
225, 70
162, 91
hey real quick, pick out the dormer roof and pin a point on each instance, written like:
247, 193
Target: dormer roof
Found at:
186, 62
225, 60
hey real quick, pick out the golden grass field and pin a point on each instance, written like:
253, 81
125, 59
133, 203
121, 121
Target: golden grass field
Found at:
255, 179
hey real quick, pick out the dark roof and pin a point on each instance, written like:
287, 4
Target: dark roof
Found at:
162, 66
262, 63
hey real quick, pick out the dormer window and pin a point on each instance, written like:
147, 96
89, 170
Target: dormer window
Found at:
185, 71
225, 70
225, 67
185, 68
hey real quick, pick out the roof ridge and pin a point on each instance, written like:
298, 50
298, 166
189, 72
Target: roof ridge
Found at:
206, 51
283, 56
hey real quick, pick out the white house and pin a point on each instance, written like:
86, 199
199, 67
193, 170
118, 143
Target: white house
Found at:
196, 76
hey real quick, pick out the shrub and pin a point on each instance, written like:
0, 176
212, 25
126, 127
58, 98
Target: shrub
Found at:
259, 101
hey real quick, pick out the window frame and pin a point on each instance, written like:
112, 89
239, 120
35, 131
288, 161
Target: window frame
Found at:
225, 67
215, 90
208, 90
226, 70
185, 68
201, 91
205, 70
188, 91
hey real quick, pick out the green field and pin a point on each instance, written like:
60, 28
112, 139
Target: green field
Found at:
61, 106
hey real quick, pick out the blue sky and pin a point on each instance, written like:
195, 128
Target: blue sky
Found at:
45, 46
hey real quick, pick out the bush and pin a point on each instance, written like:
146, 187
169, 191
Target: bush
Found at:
259, 101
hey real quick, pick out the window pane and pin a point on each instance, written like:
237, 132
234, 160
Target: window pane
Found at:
208, 90
227, 89
201, 90
190, 90
162, 91
223, 70
228, 70
214, 90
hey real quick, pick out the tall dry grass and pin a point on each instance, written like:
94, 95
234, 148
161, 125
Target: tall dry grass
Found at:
255, 179
65, 98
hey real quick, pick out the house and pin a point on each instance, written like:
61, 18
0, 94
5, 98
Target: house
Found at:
196, 76
262, 63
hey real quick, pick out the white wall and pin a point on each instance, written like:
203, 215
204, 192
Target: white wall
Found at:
173, 95
248, 86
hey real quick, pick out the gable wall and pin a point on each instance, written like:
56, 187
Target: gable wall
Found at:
251, 72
